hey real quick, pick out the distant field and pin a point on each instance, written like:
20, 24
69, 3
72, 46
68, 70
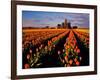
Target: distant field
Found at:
31, 30
83, 30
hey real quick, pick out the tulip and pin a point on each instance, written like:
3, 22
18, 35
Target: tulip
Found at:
70, 62
28, 56
66, 58
75, 59
80, 58
46, 47
30, 51
78, 50
63, 50
26, 66
77, 63
68, 47
59, 52
37, 50
54, 46
74, 50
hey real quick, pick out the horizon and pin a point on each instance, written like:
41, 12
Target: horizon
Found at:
40, 19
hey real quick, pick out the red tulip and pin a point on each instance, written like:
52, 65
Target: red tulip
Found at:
74, 50
26, 66
78, 50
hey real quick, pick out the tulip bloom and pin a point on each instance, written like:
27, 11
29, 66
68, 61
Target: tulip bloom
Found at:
77, 63
78, 50
28, 56
30, 51
26, 66
70, 62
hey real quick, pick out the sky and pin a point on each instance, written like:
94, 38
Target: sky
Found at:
42, 19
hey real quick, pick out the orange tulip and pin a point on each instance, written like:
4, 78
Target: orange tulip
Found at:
77, 63
68, 46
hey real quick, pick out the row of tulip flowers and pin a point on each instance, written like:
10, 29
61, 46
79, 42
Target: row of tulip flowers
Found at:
71, 55
84, 37
34, 58
36, 37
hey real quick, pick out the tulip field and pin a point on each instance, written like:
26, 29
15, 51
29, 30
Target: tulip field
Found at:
43, 48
